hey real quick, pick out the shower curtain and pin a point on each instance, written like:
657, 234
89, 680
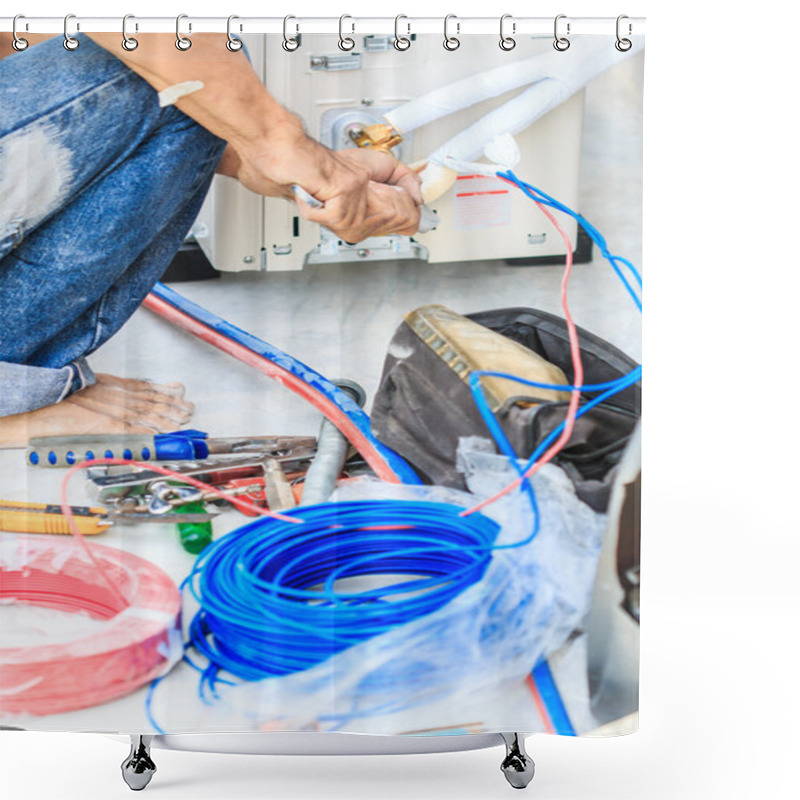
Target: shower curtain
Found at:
336, 433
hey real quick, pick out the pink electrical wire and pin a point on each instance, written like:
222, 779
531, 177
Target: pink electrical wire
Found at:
565, 436
132, 648
90, 699
66, 509
577, 366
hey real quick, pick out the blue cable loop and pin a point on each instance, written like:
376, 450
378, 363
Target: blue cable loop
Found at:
267, 592
541, 197
286, 571
609, 389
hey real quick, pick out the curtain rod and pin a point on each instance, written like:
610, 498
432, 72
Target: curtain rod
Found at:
463, 26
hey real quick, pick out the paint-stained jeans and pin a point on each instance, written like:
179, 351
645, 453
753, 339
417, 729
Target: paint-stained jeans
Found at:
98, 188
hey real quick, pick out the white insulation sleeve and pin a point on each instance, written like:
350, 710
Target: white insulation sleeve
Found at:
518, 113
512, 117
571, 71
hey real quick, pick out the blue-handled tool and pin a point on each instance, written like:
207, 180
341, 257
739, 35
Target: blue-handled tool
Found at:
184, 445
64, 451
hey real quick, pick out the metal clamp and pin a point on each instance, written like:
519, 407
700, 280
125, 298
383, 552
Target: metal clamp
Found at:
19, 43
507, 42
233, 44
451, 42
182, 42
129, 43
401, 42
290, 43
623, 45
70, 42
346, 43
164, 497
561, 43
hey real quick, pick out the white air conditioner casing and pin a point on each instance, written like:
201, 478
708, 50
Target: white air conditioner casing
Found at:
481, 217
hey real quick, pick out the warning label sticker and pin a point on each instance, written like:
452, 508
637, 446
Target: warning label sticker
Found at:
482, 201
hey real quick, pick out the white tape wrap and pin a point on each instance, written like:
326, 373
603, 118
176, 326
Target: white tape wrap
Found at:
172, 94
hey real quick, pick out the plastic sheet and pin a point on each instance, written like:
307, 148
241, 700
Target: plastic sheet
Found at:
530, 601
71, 643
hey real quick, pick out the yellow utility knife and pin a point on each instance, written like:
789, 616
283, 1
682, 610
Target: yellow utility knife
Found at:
49, 518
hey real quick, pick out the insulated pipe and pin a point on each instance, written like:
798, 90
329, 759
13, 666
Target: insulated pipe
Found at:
554, 80
574, 70
331, 454
304, 381
512, 117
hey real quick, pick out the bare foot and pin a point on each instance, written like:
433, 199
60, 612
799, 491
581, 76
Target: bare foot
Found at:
112, 405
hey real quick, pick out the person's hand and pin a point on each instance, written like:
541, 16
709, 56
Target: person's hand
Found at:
366, 193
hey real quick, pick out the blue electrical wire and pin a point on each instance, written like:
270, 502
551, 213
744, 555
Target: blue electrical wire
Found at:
505, 446
541, 197
551, 697
267, 593
608, 389
268, 602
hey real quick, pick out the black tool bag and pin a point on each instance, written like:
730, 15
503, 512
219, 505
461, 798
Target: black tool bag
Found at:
424, 405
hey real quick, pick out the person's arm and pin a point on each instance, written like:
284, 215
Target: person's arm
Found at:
270, 149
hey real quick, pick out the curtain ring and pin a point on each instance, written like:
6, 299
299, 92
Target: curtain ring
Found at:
19, 43
401, 42
623, 45
182, 42
70, 42
290, 43
507, 42
234, 44
129, 43
346, 43
451, 42
561, 43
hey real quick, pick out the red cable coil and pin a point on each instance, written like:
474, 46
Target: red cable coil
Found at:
134, 647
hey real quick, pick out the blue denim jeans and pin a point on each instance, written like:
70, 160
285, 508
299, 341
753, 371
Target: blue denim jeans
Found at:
99, 186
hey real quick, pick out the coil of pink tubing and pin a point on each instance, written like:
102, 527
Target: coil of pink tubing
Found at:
134, 647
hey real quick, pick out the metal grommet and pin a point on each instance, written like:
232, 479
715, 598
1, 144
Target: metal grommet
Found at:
19, 43
128, 42
182, 42
233, 44
507, 42
346, 43
401, 42
451, 42
70, 42
290, 43
623, 45
561, 43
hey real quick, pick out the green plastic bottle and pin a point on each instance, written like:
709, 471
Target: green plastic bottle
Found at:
195, 536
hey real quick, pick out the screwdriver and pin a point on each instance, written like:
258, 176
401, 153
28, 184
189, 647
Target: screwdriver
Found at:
49, 518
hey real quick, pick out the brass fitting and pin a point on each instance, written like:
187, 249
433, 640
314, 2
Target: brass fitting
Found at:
376, 137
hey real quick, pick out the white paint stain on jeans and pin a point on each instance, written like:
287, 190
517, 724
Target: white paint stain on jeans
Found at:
35, 177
